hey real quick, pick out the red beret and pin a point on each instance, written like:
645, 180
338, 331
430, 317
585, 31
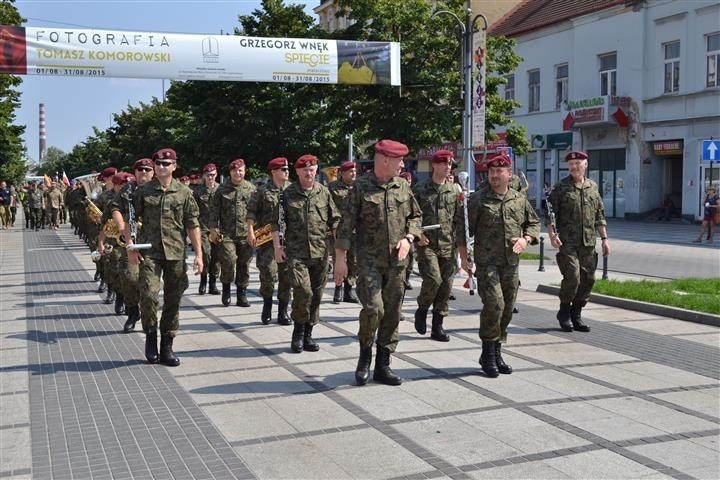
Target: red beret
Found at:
576, 155
143, 162
501, 160
406, 175
165, 153
278, 162
481, 166
107, 173
347, 166
194, 176
237, 163
184, 178
442, 156
122, 177
306, 160
210, 167
391, 148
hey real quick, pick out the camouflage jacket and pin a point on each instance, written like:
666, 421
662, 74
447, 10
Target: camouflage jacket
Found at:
379, 215
494, 220
166, 216
37, 200
204, 198
341, 194
54, 198
104, 198
262, 207
578, 211
229, 208
123, 198
440, 204
309, 215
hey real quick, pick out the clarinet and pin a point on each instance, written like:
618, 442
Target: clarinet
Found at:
132, 221
551, 214
464, 178
281, 217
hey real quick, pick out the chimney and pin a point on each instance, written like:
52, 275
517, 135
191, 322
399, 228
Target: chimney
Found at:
43, 134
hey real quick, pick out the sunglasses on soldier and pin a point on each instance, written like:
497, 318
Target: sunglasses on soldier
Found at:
164, 163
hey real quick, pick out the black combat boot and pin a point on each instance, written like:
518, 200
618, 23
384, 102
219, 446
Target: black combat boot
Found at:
576, 319
109, 296
383, 373
119, 304
203, 284
309, 345
408, 285
242, 300
421, 320
133, 313
487, 359
101, 287
97, 273
337, 296
213, 290
502, 367
266, 315
151, 347
167, 356
283, 318
348, 294
362, 372
563, 317
438, 332
296, 344
226, 294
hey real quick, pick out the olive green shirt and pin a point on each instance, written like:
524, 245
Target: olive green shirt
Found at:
203, 197
263, 205
578, 211
341, 194
229, 209
440, 204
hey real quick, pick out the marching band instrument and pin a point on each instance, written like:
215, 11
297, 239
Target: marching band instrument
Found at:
215, 236
263, 235
464, 179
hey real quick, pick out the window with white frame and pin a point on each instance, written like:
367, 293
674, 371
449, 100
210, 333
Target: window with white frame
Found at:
713, 59
510, 87
533, 90
671, 52
608, 74
561, 84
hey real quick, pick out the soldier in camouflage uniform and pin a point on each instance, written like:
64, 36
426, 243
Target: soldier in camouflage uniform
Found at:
340, 190
111, 255
168, 212
503, 223
384, 217
261, 209
309, 212
227, 216
579, 214
204, 195
105, 197
440, 204
37, 203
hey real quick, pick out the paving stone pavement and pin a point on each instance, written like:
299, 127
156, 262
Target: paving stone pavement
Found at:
637, 397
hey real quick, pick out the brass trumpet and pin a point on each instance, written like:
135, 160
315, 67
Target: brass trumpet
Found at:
263, 235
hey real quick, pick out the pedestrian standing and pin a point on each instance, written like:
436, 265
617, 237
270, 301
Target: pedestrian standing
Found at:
4, 205
711, 206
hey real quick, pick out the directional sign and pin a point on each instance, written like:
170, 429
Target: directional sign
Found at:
711, 150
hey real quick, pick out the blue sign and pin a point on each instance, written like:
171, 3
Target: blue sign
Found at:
711, 150
508, 151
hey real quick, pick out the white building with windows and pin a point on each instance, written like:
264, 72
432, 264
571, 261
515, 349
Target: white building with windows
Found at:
634, 83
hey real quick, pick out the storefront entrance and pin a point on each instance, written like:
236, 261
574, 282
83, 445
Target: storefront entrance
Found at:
607, 169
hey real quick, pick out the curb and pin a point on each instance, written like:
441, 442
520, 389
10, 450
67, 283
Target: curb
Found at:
645, 307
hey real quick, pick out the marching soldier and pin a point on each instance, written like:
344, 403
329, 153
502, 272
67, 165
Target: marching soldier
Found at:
340, 190
262, 208
111, 256
204, 194
168, 212
440, 204
106, 196
579, 215
503, 223
309, 212
227, 217
37, 203
385, 218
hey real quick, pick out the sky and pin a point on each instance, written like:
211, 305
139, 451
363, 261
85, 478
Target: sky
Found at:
73, 105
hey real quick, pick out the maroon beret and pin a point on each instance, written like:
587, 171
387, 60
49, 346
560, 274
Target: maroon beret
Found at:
184, 178
165, 153
194, 176
306, 160
442, 156
391, 148
210, 167
481, 166
278, 162
121, 178
406, 175
576, 155
237, 163
347, 166
107, 173
501, 160
143, 162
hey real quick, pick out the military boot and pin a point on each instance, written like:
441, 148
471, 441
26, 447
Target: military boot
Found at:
348, 294
203, 283
296, 344
487, 359
226, 294
283, 318
362, 372
97, 273
109, 296
437, 332
119, 304
242, 300
266, 315
213, 290
133, 315
383, 373
151, 347
167, 356
502, 367
337, 296
421, 320
576, 319
101, 286
563, 317
408, 285
309, 345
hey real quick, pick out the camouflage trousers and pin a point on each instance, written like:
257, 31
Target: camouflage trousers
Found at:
129, 280
577, 265
308, 282
350, 259
235, 256
211, 255
437, 279
175, 282
380, 290
38, 218
111, 266
497, 286
271, 273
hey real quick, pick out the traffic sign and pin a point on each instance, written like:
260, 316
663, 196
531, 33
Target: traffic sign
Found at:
508, 151
711, 150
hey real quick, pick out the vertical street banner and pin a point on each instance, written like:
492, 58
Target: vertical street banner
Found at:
175, 56
478, 88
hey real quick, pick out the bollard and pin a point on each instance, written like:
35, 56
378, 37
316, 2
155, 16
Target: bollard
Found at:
605, 275
541, 268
